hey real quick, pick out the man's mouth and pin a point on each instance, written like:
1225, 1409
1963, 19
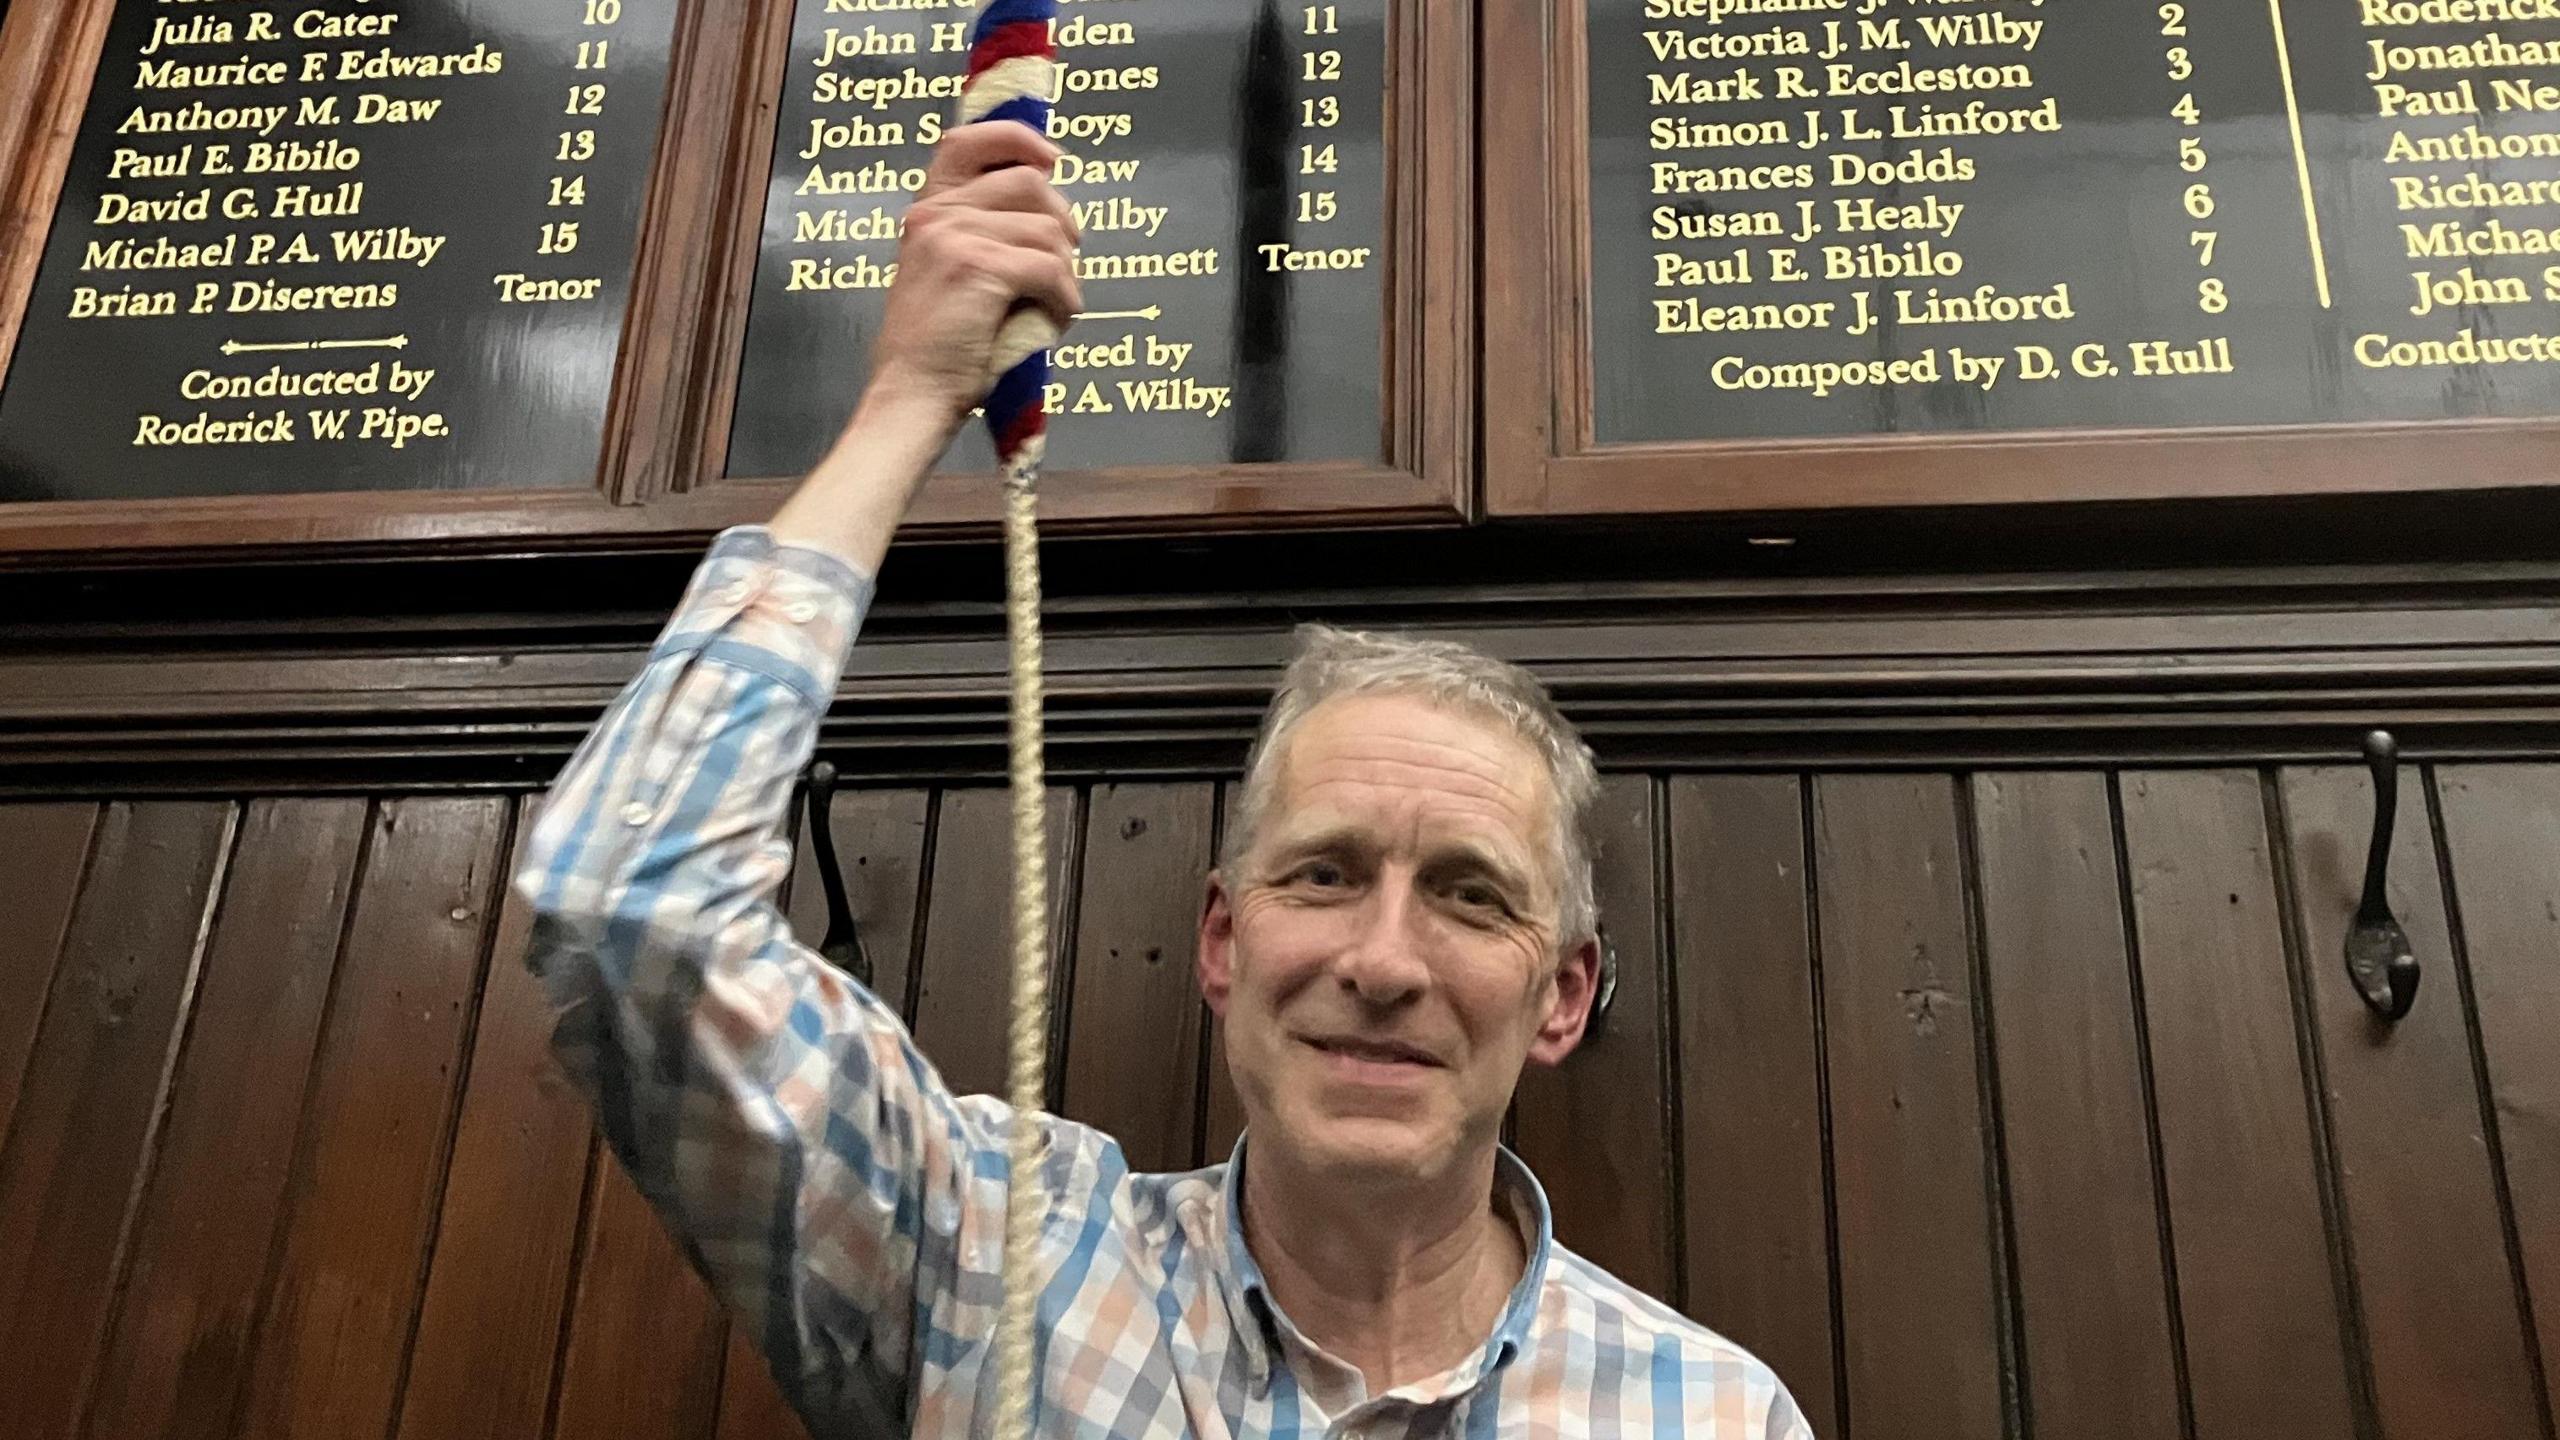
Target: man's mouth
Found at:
1380, 1052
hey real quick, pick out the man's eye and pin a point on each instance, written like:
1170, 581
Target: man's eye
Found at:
1480, 896
1322, 873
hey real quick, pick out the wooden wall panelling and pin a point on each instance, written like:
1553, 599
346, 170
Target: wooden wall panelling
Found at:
177, 1355
1221, 1109
48, 57
2416, 1188
645, 1337
751, 1405
94, 1091
2099, 1349
2502, 842
1754, 1185
968, 944
1133, 1018
344, 1294
1597, 1128
2265, 1355
1919, 1285
883, 844
488, 1330
49, 846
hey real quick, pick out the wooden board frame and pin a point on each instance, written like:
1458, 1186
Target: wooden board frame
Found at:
1542, 457
668, 416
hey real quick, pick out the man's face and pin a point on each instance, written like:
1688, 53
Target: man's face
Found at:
1384, 958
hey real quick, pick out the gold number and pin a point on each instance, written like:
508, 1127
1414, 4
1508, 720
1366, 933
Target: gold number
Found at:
560, 238
1317, 206
2185, 109
2179, 66
2211, 297
568, 190
577, 145
1321, 114
591, 54
586, 100
1321, 20
1324, 65
1318, 160
2204, 241
2173, 19
603, 12
2190, 154
2200, 200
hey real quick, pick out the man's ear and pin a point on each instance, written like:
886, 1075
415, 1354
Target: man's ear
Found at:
1577, 984
1217, 949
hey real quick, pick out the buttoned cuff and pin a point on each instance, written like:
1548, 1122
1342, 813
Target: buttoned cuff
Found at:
785, 611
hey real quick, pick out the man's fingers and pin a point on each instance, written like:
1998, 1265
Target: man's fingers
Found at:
1010, 227
973, 150
1017, 190
1042, 277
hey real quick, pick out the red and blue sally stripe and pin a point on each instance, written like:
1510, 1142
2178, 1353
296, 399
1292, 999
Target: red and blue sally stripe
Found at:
1012, 64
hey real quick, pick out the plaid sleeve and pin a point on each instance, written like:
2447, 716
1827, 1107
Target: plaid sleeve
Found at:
777, 1115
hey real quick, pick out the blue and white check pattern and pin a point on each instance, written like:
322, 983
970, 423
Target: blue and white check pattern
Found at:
851, 1209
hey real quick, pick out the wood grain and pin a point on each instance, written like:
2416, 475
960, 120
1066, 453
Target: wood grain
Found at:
50, 849
1222, 1109
488, 1325
1133, 1020
880, 843
2502, 834
1920, 1318
968, 946
178, 1354
751, 1404
2100, 1352
1755, 1199
330, 1350
48, 57
645, 1337
93, 1098
2266, 1358
1597, 1128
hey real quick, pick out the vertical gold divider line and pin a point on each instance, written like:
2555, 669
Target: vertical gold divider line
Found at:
2301, 158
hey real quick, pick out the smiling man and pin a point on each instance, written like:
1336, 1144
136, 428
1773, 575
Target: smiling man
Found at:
1401, 921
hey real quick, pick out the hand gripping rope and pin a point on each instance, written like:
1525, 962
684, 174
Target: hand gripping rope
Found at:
1012, 65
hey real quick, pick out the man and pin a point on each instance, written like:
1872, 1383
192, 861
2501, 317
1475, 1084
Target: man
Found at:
1403, 918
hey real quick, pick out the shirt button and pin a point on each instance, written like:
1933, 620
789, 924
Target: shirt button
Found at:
801, 612
636, 813
733, 593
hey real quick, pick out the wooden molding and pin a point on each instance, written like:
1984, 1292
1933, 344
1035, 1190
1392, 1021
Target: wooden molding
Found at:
48, 55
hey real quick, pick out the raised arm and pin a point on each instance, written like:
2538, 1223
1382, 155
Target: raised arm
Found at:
776, 1114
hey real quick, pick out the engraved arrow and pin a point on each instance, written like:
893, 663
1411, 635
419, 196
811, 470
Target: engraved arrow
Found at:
1152, 312
244, 347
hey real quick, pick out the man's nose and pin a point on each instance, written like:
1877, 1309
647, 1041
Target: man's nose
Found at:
1383, 963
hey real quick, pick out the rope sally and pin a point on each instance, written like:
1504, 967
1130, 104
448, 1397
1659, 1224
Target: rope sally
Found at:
1012, 70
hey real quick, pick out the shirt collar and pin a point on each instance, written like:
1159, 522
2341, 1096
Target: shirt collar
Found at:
1251, 1307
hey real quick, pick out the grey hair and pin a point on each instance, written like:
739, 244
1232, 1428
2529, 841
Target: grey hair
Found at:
1332, 663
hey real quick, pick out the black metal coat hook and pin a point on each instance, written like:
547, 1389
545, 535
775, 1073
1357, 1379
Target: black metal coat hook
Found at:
2379, 957
843, 946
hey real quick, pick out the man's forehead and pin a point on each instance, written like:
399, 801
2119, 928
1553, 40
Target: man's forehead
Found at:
1358, 761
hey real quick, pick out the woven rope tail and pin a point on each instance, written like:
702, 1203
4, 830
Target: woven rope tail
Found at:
1012, 70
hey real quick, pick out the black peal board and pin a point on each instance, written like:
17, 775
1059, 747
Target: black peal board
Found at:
2275, 212
356, 217
1226, 159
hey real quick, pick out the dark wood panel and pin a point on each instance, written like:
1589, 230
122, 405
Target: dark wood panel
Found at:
645, 1337
346, 1286
1755, 1196
1612, 1200
1133, 1021
1919, 1321
50, 848
751, 1404
93, 1098
2100, 1356
178, 1353
488, 1327
1222, 1109
880, 843
968, 933
2502, 834
2416, 1186
2265, 1357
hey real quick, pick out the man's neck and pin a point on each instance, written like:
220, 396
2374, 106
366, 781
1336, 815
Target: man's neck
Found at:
1402, 1286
